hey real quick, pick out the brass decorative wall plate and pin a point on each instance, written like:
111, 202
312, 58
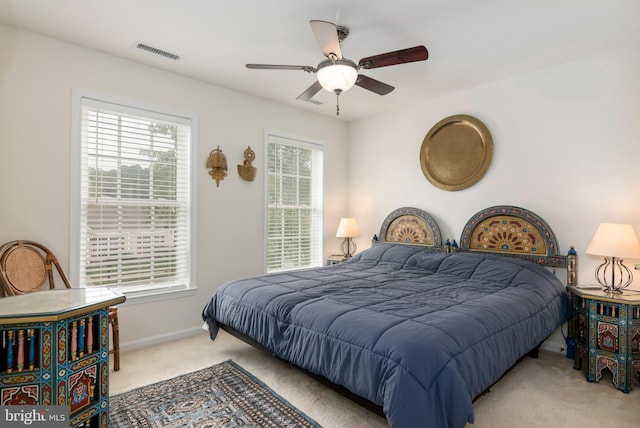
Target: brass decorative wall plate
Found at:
456, 152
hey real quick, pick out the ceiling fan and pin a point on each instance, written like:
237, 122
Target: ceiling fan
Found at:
337, 74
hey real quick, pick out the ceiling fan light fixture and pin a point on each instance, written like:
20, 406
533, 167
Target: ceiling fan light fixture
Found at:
337, 76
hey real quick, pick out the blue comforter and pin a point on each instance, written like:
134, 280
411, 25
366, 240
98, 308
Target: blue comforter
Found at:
418, 333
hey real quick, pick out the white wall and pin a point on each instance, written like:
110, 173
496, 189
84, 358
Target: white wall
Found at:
566, 146
37, 75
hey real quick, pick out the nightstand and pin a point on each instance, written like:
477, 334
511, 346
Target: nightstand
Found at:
334, 259
55, 351
607, 330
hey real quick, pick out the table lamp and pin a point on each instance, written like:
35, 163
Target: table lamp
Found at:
348, 229
615, 242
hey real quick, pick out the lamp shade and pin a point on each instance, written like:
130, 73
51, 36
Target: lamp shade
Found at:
615, 240
337, 76
348, 228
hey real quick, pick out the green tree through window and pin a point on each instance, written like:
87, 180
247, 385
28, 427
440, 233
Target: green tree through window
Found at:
294, 204
135, 229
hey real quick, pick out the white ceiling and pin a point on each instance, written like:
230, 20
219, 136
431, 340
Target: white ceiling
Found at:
470, 42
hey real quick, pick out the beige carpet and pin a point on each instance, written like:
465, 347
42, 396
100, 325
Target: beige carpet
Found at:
544, 392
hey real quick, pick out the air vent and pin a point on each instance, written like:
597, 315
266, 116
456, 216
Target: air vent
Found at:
156, 51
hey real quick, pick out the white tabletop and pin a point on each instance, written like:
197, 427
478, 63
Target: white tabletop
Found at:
54, 305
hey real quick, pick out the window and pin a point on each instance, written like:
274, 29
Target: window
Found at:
132, 199
294, 204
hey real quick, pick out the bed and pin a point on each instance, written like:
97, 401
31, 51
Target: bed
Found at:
413, 325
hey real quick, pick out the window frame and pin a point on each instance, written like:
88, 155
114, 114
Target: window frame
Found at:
153, 292
301, 142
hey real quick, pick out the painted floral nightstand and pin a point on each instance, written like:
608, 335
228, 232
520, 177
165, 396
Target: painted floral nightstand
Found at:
607, 330
55, 351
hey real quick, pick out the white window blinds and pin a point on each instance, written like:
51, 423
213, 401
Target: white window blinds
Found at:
294, 204
134, 198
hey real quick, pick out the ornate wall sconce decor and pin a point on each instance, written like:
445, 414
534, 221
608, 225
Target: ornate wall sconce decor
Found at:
218, 164
247, 171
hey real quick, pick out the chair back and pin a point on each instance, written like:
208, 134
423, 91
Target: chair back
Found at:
25, 266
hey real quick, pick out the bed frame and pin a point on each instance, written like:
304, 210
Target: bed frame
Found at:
503, 230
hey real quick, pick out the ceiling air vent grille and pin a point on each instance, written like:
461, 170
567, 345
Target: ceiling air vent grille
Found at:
156, 51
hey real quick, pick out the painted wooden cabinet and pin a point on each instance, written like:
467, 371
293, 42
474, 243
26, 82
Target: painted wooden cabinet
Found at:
607, 332
55, 351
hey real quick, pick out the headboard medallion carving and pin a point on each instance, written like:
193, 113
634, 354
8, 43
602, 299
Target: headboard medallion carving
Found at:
410, 226
512, 231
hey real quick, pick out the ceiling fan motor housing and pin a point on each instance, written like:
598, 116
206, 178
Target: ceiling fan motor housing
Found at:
343, 32
338, 75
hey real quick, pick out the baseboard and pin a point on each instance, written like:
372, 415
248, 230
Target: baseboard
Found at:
556, 342
554, 346
156, 340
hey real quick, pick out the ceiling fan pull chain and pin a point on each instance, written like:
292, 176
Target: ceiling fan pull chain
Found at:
337, 103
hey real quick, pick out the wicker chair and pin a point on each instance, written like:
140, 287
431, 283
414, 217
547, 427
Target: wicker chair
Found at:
24, 268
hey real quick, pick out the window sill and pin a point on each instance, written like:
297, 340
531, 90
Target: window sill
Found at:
151, 296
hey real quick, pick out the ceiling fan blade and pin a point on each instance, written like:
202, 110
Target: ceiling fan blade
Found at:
403, 56
306, 68
373, 85
327, 36
310, 92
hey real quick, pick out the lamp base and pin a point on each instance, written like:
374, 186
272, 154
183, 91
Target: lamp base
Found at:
348, 248
611, 290
613, 275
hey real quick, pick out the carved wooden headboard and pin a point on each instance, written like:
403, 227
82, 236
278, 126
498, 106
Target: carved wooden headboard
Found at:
411, 226
516, 232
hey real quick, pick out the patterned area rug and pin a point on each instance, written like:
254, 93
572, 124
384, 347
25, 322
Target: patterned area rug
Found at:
224, 395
